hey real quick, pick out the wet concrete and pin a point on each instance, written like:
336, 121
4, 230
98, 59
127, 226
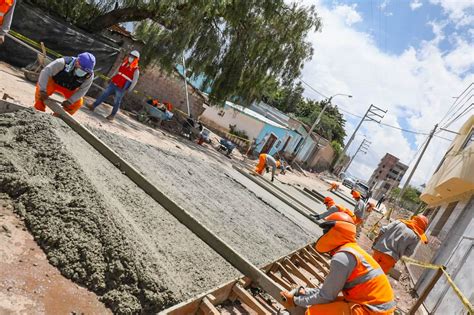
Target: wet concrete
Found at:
105, 233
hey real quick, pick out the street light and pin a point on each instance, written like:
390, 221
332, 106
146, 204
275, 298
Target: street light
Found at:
316, 122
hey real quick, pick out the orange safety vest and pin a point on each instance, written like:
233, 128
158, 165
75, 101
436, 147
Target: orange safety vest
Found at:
5, 6
368, 285
125, 74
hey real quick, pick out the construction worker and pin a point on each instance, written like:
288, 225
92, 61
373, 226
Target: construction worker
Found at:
7, 7
369, 207
124, 81
334, 186
333, 208
398, 239
265, 161
382, 199
359, 208
365, 288
70, 76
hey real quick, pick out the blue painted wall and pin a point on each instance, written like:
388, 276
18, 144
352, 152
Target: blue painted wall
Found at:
281, 134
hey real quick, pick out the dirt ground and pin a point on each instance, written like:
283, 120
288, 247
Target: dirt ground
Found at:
103, 232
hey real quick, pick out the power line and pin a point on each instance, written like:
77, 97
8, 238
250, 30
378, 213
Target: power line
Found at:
312, 88
459, 99
460, 115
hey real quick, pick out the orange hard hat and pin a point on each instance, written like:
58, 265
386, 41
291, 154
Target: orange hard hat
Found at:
339, 216
371, 205
421, 221
328, 200
337, 232
355, 194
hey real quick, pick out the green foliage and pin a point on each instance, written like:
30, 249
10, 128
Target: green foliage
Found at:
411, 194
239, 133
332, 122
285, 98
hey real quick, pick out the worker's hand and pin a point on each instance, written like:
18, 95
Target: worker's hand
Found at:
315, 217
43, 96
2, 39
288, 299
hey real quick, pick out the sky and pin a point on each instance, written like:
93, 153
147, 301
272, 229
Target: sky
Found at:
409, 57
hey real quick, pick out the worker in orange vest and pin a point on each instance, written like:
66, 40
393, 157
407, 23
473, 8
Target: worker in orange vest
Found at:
334, 186
265, 161
7, 7
69, 76
398, 239
124, 81
365, 288
333, 208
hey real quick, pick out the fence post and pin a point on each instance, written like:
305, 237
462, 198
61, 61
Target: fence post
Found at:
426, 291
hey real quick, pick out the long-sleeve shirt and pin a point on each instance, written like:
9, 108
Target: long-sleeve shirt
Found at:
359, 209
271, 162
329, 211
342, 265
396, 240
7, 21
54, 68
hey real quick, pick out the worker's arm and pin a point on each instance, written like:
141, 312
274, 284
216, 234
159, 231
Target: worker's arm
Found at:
7, 21
49, 71
82, 91
136, 74
331, 210
342, 264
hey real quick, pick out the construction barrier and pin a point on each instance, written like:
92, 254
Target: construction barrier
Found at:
441, 269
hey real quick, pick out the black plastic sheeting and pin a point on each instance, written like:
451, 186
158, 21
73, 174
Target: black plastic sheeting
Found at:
65, 39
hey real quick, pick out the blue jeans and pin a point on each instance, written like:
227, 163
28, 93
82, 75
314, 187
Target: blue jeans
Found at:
111, 89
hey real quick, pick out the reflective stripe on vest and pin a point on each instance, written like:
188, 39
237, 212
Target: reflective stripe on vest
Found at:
126, 77
371, 274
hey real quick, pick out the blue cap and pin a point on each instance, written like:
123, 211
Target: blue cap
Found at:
86, 62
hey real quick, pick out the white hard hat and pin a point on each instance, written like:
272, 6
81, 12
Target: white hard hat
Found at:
135, 53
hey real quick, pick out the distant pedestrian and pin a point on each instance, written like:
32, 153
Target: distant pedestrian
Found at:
265, 161
379, 203
7, 7
398, 239
124, 81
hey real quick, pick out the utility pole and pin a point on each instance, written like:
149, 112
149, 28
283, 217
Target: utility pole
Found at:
186, 86
363, 147
316, 122
373, 113
405, 186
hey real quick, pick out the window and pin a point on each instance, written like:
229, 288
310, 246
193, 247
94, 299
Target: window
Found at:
469, 140
386, 186
444, 218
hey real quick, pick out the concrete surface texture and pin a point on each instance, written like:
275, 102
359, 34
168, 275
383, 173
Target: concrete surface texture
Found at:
105, 233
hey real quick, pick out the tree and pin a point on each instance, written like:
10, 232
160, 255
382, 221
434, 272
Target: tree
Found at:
411, 194
332, 122
239, 46
285, 98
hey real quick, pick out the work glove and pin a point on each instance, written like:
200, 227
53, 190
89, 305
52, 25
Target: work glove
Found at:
2, 39
43, 96
315, 217
288, 299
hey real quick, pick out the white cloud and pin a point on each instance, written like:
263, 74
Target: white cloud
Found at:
461, 59
348, 13
415, 4
417, 85
460, 11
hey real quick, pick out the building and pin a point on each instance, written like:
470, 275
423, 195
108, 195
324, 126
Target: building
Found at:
387, 175
283, 136
449, 196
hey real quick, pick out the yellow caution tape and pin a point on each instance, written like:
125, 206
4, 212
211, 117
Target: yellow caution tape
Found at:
458, 292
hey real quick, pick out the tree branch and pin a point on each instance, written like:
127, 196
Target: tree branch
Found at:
119, 16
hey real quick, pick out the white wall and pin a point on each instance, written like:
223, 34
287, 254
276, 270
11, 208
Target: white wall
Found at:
250, 125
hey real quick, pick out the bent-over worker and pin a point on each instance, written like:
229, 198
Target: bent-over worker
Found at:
398, 239
69, 76
7, 7
265, 161
124, 81
364, 286
333, 208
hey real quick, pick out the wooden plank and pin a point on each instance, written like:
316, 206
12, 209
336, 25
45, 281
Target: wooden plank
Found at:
319, 257
288, 264
248, 299
207, 308
309, 268
313, 261
285, 284
286, 274
211, 239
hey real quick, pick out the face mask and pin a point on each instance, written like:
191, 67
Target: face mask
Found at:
131, 59
80, 73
